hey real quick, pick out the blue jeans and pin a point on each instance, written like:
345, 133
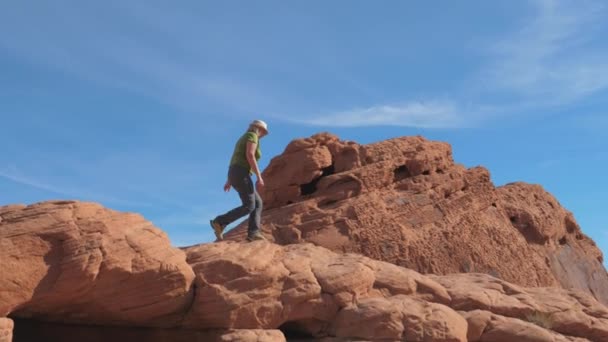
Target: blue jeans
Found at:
240, 180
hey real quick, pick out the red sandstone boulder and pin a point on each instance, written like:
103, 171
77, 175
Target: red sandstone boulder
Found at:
485, 326
311, 290
80, 262
258, 291
407, 202
496, 263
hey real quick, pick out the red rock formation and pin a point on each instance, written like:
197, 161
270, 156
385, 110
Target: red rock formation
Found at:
80, 262
307, 288
406, 201
77, 271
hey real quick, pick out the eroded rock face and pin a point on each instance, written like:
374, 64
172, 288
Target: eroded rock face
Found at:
259, 291
309, 289
485, 326
554, 309
407, 202
574, 259
79, 262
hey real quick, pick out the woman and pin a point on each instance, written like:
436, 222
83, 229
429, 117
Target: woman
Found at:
243, 163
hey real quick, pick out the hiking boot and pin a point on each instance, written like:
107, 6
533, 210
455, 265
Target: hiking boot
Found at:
217, 229
255, 236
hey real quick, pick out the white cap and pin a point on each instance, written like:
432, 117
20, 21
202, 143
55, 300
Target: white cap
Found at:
261, 124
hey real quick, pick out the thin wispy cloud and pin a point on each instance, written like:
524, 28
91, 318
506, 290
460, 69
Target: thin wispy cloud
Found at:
118, 178
415, 114
130, 103
122, 56
15, 177
554, 58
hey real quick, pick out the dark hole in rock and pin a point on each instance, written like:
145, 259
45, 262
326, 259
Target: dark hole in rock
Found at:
294, 332
426, 173
343, 228
62, 202
29, 330
494, 205
402, 172
563, 241
440, 171
310, 188
570, 225
579, 236
289, 202
524, 223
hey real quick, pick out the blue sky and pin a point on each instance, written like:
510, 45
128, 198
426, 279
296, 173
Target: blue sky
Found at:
136, 104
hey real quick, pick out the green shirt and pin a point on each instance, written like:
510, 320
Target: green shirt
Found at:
239, 157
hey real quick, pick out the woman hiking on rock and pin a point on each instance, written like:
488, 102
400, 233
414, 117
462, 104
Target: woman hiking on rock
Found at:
243, 163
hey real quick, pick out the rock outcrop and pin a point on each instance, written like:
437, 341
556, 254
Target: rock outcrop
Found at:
77, 271
383, 242
407, 202
79, 262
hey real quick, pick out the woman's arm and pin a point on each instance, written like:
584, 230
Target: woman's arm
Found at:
251, 147
227, 185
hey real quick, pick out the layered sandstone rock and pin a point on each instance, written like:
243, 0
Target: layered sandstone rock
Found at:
312, 290
498, 263
80, 262
407, 202
78, 271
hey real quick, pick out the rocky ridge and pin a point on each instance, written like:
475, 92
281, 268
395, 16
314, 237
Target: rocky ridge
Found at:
406, 201
68, 267
389, 241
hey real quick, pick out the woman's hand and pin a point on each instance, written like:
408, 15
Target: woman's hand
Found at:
259, 184
227, 186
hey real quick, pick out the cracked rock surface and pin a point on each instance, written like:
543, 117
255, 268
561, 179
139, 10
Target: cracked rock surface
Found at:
406, 201
82, 265
388, 241
81, 262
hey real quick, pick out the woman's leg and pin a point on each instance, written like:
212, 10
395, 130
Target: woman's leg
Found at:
255, 217
242, 183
